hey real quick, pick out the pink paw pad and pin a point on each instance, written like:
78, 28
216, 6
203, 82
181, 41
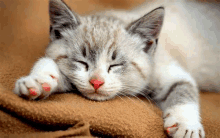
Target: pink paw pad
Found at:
32, 92
46, 87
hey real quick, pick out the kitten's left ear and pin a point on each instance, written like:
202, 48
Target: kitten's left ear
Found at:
148, 27
61, 18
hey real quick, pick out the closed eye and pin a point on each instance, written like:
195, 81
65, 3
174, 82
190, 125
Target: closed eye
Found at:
84, 63
114, 65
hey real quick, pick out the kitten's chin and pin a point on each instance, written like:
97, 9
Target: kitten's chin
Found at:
98, 97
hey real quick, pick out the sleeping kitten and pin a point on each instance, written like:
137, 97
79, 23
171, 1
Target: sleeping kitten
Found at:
121, 53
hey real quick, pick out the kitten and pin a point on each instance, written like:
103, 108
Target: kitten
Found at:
121, 53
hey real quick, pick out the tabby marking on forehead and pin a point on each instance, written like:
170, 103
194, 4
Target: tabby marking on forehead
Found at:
88, 44
93, 37
93, 54
114, 55
85, 30
114, 41
84, 51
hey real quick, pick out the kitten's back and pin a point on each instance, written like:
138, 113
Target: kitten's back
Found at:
203, 21
190, 34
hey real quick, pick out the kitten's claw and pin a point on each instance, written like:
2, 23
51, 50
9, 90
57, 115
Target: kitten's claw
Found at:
177, 125
35, 86
171, 130
183, 129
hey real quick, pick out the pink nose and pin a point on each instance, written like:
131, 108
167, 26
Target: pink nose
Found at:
96, 83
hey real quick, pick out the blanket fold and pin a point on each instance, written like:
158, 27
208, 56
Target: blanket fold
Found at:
115, 117
126, 116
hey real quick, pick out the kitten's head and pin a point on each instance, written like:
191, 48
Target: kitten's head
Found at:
102, 55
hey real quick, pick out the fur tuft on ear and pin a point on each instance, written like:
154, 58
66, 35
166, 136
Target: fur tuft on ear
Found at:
61, 17
148, 27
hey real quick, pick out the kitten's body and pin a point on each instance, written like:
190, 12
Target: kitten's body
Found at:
190, 34
118, 52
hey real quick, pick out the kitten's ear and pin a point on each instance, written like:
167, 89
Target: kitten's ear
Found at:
61, 18
148, 26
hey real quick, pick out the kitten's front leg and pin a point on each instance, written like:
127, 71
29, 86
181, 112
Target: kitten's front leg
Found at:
181, 111
41, 82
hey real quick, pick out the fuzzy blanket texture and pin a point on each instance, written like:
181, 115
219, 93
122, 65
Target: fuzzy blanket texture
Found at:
24, 35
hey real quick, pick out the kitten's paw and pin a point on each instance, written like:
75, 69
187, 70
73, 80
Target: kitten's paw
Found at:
183, 124
36, 86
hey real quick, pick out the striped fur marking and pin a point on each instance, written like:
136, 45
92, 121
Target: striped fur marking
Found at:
173, 87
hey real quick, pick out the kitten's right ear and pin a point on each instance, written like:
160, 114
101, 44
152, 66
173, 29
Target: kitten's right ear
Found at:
61, 18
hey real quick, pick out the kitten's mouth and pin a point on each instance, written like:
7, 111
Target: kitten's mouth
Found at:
97, 96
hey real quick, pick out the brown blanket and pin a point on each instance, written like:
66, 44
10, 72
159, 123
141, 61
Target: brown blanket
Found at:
24, 35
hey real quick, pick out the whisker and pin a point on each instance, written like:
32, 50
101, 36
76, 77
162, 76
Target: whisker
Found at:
121, 98
144, 102
129, 98
148, 90
129, 86
149, 99
141, 93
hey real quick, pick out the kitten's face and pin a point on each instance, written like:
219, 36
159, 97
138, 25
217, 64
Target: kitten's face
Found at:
100, 56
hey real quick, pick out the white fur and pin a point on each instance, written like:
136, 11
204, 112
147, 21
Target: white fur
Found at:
167, 72
41, 73
187, 118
